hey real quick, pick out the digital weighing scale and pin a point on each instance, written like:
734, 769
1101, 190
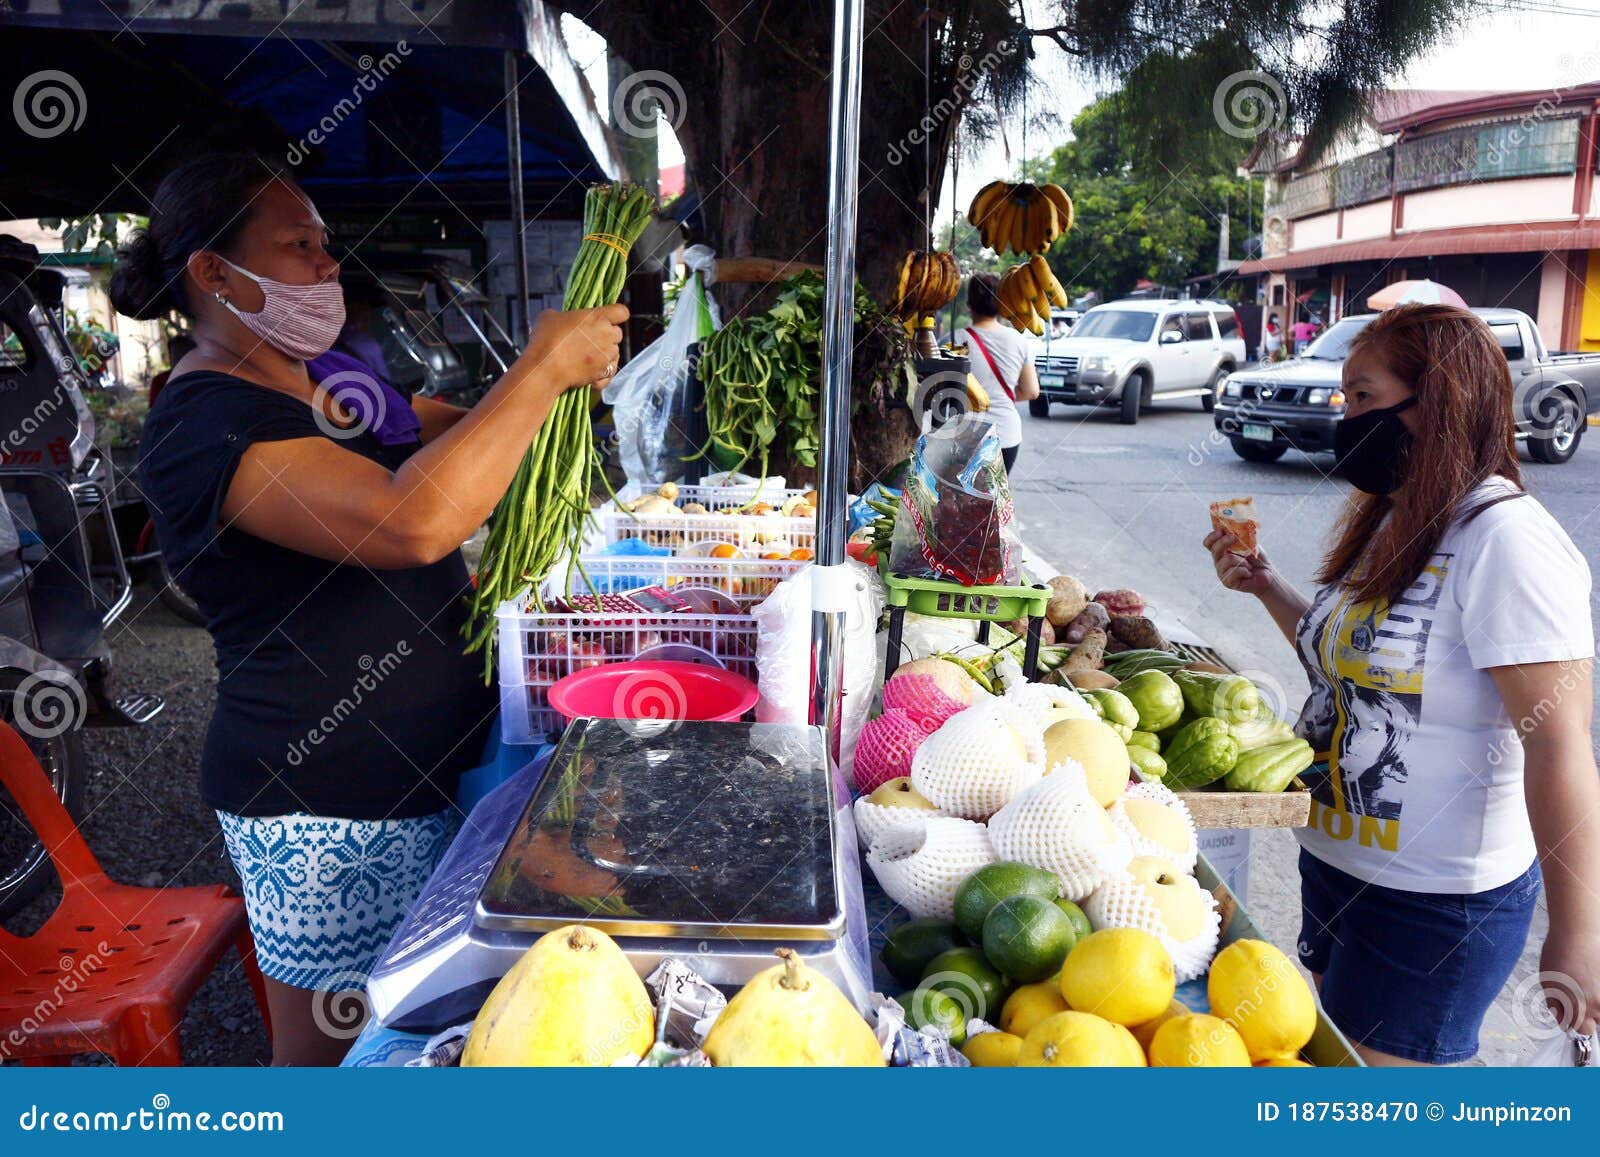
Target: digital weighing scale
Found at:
713, 843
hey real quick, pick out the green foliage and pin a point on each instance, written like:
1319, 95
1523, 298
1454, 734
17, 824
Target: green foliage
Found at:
105, 230
1136, 217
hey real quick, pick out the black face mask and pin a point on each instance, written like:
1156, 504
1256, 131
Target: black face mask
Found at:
1370, 450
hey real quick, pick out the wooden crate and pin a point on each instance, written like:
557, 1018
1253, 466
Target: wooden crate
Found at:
1290, 808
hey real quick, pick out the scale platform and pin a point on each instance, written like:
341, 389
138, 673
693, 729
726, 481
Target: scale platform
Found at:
710, 842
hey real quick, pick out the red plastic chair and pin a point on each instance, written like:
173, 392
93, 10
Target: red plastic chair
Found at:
114, 967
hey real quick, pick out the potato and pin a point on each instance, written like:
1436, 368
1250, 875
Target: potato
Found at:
1088, 655
1068, 597
1092, 680
1208, 668
1093, 617
1137, 632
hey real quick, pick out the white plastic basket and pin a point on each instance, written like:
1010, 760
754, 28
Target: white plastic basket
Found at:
537, 648
745, 581
717, 497
753, 534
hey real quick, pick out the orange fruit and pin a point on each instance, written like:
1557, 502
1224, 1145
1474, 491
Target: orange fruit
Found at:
772, 554
802, 555
723, 550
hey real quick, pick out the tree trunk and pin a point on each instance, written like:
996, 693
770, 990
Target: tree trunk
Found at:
754, 128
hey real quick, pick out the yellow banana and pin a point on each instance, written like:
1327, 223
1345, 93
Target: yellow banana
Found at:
977, 396
1045, 278
1063, 203
902, 284
1051, 229
983, 204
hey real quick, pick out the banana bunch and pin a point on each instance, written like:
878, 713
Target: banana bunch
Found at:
1027, 292
1022, 218
928, 282
883, 526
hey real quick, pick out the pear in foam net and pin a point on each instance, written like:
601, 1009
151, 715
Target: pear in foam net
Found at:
921, 863
1155, 822
1057, 825
974, 764
894, 802
886, 747
1153, 895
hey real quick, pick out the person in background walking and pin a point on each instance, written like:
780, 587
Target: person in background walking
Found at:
1002, 360
1271, 340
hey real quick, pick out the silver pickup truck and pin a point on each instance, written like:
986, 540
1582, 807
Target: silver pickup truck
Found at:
1269, 410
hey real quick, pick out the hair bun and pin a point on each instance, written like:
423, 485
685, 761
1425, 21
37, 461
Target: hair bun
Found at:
140, 288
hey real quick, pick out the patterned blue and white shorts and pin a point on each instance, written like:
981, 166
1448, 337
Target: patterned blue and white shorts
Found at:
324, 895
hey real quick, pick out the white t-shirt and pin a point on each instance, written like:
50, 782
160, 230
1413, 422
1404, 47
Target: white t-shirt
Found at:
1423, 788
1010, 351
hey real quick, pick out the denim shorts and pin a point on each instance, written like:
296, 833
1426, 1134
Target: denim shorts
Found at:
1411, 973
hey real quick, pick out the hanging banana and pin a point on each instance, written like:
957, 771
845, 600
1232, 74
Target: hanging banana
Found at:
1027, 292
928, 282
1023, 218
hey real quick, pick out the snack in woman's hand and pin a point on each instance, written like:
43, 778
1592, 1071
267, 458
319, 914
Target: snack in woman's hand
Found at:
1237, 517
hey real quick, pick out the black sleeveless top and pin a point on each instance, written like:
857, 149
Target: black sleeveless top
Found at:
341, 691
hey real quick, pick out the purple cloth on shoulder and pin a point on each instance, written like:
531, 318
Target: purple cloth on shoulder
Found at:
358, 387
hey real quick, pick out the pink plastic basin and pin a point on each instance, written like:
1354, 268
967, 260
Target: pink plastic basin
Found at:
650, 689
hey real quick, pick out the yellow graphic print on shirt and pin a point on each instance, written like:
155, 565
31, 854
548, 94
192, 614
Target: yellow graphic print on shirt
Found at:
1367, 662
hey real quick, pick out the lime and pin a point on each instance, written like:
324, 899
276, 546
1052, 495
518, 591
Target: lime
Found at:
930, 1008
1027, 938
908, 948
1080, 922
995, 882
967, 977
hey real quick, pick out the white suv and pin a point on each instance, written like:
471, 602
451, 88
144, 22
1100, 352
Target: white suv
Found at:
1135, 351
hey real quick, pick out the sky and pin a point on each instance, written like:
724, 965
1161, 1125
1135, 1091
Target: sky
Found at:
1528, 44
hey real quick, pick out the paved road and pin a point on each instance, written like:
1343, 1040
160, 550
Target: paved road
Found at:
1127, 506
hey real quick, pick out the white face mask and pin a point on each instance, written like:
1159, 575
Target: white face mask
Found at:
302, 321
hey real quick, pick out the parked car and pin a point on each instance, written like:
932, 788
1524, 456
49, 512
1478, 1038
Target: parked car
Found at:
1135, 351
1295, 404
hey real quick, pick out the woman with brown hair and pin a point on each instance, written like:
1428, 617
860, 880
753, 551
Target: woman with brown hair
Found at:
1002, 361
1449, 651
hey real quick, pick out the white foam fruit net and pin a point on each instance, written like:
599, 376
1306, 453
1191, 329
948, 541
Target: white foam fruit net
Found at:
920, 864
872, 819
1047, 704
885, 749
1122, 902
979, 759
1056, 825
1124, 820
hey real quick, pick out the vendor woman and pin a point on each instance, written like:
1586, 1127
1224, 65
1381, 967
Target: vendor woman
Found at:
1449, 649
321, 540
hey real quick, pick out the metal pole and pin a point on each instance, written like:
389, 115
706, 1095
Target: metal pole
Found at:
519, 218
831, 588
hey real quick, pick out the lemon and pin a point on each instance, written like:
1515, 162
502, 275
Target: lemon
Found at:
992, 1050
1079, 1040
1122, 974
1143, 1032
1284, 1063
1030, 1004
1255, 988
1198, 1041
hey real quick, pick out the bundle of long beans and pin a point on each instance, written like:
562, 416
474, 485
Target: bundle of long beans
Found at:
542, 515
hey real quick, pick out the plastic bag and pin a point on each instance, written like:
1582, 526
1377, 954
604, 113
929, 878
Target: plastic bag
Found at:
649, 394
956, 519
783, 655
1566, 1050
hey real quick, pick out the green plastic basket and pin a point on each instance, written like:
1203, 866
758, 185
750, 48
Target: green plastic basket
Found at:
948, 600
